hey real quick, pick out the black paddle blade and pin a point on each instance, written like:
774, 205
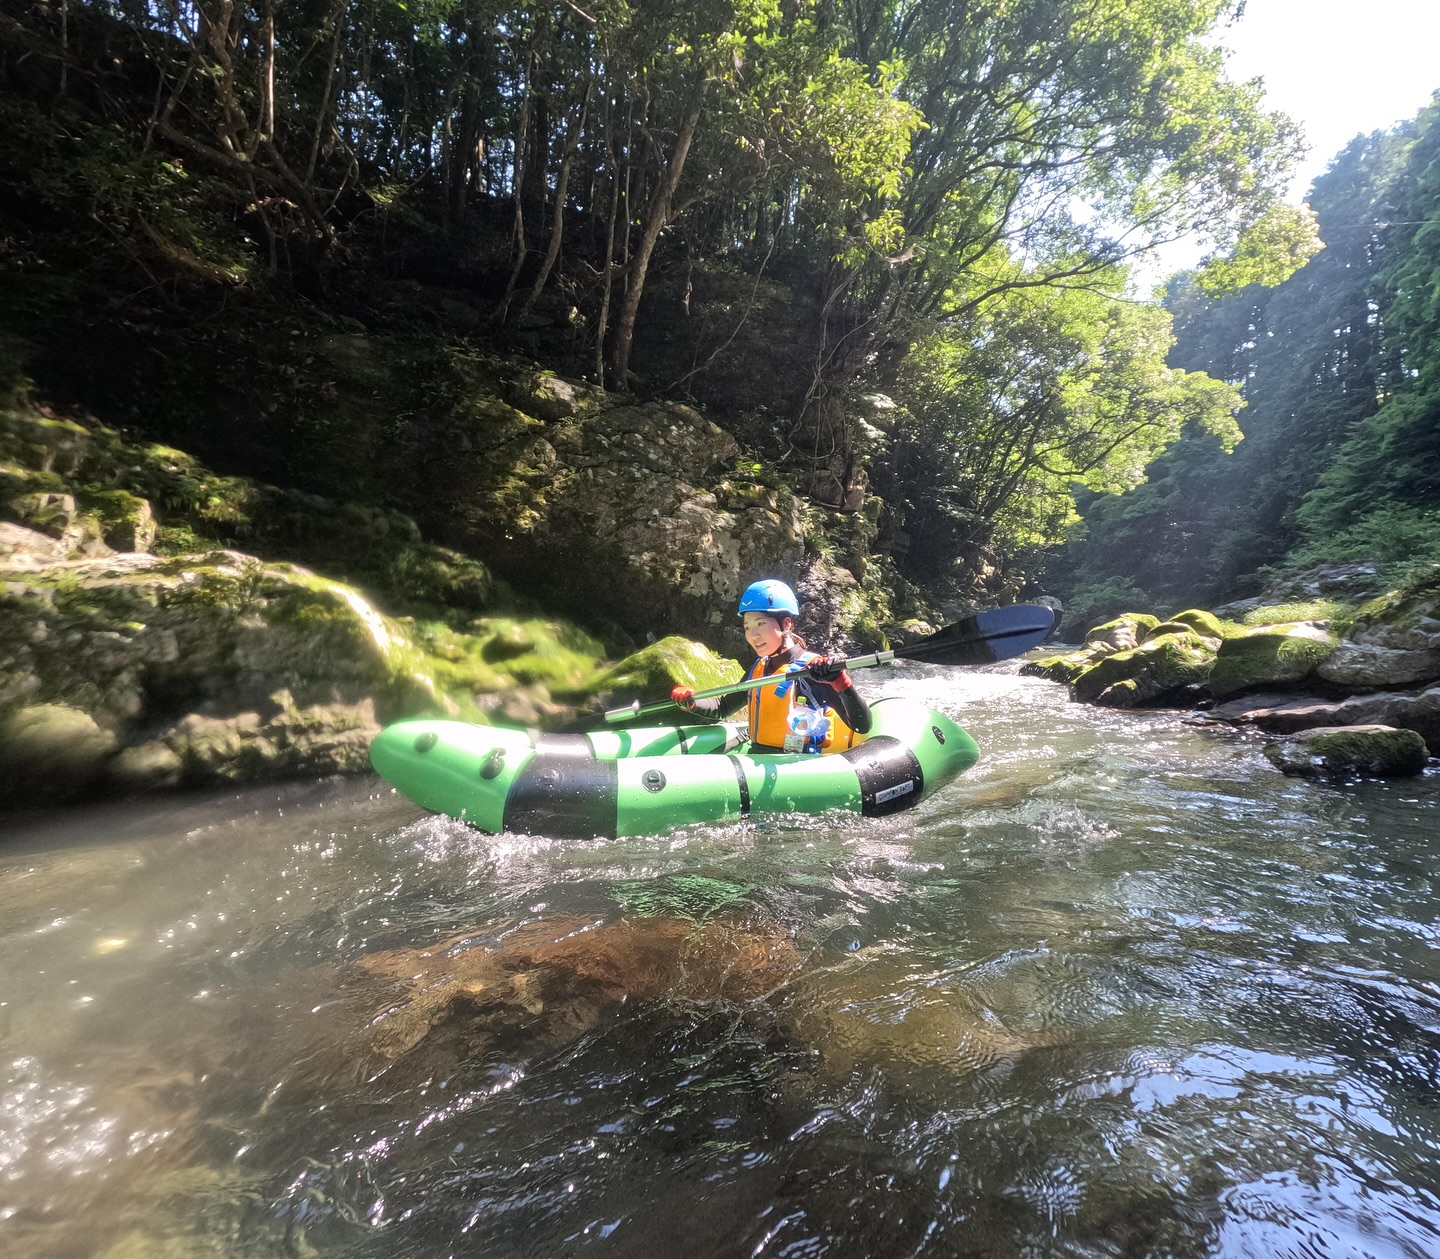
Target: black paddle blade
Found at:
985, 637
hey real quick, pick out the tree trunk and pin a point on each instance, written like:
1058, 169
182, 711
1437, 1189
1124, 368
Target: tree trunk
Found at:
557, 224
655, 220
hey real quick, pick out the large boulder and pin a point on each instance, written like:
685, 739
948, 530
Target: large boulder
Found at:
49, 753
136, 672
1371, 751
651, 673
1121, 634
637, 515
1274, 654
1157, 668
1394, 640
1336, 579
1206, 624
82, 490
1064, 667
199, 668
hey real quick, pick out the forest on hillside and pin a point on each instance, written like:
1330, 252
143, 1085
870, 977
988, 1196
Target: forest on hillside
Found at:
1339, 367
885, 243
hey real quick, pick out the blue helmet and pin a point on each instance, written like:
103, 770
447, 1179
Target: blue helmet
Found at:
769, 596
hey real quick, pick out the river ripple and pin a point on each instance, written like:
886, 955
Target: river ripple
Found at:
1121, 990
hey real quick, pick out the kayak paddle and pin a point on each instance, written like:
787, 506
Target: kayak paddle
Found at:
984, 638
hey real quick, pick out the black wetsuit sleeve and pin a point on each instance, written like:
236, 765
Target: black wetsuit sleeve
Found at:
849, 703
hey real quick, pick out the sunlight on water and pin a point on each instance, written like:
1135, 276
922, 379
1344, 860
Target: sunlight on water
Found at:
1122, 989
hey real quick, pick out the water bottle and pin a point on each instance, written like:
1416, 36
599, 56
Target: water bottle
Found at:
807, 729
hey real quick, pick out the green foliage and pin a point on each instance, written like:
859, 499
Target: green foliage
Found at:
1390, 534
1100, 602
140, 202
1268, 252
1312, 357
959, 191
1042, 394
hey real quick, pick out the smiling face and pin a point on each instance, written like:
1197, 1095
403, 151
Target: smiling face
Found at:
764, 633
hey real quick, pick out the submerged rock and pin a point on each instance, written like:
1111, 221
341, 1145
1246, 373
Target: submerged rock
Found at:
564, 974
552, 979
1370, 751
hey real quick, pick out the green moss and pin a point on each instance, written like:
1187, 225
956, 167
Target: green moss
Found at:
1156, 668
194, 510
1269, 655
1202, 622
1402, 608
652, 672
216, 587
1377, 752
1288, 613
1063, 668
1141, 622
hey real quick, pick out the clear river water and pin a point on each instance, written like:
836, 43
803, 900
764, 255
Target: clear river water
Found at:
1121, 990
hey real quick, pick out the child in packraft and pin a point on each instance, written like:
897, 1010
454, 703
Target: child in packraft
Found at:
814, 709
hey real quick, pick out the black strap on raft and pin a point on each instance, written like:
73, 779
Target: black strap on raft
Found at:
564, 797
890, 777
744, 784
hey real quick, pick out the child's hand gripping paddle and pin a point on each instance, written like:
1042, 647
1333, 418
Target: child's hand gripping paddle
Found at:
983, 638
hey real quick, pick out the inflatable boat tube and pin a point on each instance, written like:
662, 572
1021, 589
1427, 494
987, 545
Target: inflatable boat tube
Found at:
619, 782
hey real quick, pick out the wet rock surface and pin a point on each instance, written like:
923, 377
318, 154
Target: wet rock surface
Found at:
1286, 714
1268, 655
1374, 666
1362, 751
139, 671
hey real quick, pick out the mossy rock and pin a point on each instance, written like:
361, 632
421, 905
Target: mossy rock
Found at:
1370, 751
1064, 668
127, 522
85, 483
50, 752
1125, 631
1206, 624
1158, 667
560, 655
652, 672
1274, 655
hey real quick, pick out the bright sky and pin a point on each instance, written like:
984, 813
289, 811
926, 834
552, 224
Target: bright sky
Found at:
1338, 67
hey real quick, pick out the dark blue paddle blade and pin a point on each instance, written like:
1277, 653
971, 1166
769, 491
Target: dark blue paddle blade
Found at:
985, 637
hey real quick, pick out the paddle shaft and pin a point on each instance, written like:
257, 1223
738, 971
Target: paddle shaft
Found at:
738, 688
984, 638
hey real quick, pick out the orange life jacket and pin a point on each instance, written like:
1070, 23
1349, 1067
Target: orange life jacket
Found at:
770, 708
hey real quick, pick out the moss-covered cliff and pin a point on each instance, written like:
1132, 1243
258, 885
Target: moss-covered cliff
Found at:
138, 651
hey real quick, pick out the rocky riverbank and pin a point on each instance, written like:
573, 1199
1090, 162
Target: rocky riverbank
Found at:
1335, 682
136, 653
